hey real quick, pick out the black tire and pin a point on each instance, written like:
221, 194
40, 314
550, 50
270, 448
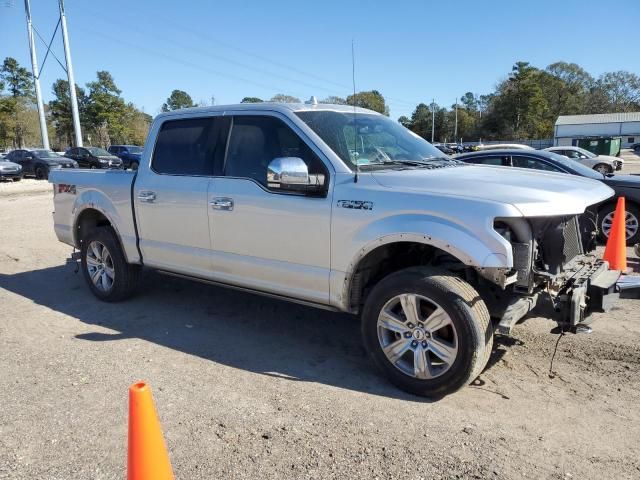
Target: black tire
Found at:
17, 179
603, 168
42, 172
468, 315
126, 276
634, 216
134, 166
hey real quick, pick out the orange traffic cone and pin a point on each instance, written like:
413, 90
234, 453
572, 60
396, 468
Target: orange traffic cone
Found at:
147, 457
616, 250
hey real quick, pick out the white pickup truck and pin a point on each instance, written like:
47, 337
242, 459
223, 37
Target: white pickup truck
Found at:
345, 209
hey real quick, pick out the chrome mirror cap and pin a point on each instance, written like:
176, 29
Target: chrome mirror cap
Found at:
287, 171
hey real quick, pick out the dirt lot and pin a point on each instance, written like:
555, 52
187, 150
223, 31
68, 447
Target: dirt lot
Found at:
248, 387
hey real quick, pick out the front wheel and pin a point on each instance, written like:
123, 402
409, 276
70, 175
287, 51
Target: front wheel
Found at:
603, 168
105, 268
631, 222
42, 173
427, 331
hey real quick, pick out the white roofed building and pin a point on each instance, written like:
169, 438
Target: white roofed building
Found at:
570, 128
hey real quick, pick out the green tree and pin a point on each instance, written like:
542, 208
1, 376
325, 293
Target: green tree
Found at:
282, 98
251, 100
105, 110
621, 89
373, 100
333, 100
60, 112
18, 119
405, 121
16, 79
177, 100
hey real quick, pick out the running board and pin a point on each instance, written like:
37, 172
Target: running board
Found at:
250, 290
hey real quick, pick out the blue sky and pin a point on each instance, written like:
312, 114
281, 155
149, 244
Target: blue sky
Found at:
411, 51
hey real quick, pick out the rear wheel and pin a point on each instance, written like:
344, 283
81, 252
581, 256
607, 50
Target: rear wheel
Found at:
134, 165
104, 266
42, 173
632, 222
603, 168
427, 331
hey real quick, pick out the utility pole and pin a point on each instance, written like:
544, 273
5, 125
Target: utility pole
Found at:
36, 80
72, 82
433, 118
455, 133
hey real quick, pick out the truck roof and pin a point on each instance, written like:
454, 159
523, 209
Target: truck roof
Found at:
270, 106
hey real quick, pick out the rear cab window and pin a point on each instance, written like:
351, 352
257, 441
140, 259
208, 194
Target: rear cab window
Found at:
192, 146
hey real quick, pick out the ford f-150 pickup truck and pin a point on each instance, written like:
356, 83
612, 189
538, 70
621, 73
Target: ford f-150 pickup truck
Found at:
345, 209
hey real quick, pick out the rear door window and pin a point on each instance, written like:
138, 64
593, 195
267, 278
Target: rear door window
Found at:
534, 163
494, 160
193, 146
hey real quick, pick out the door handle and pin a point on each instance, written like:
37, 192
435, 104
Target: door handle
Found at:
147, 196
221, 203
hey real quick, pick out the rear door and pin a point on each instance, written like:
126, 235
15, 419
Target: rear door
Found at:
171, 196
264, 238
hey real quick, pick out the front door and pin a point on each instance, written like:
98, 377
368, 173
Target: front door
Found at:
262, 238
171, 197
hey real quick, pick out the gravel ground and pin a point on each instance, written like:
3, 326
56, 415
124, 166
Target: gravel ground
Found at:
248, 387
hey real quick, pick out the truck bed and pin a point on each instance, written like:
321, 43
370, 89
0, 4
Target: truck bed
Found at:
79, 188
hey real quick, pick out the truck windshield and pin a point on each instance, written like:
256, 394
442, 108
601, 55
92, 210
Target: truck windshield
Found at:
370, 140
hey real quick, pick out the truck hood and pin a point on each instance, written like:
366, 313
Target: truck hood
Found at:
533, 193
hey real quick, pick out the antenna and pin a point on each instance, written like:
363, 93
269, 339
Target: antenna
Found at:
355, 126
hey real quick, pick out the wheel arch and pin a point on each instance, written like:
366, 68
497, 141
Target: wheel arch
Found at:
91, 217
392, 253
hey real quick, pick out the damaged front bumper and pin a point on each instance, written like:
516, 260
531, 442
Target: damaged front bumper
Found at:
585, 286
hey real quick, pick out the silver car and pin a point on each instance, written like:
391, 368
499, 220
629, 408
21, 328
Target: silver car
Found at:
10, 170
602, 163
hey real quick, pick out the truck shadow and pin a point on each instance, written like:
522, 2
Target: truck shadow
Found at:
237, 329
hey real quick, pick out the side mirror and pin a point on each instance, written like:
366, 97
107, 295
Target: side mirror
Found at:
292, 174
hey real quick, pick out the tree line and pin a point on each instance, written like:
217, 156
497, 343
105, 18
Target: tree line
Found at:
105, 117
524, 105
527, 103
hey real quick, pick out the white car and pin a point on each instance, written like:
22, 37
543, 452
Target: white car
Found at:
500, 146
602, 163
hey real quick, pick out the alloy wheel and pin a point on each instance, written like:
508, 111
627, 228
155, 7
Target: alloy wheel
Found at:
630, 222
417, 336
100, 266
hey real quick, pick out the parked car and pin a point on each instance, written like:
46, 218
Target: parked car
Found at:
499, 146
93, 157
39, 162
269, 198
444, 149
129, 154
602, 163
10, 170
636, 147
627, 186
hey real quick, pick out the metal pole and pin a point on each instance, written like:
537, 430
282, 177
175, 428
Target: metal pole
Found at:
455, 133
36, 80
433, 118
72, 82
